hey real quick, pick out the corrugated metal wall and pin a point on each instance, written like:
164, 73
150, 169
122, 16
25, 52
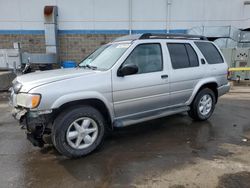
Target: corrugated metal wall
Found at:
113, 16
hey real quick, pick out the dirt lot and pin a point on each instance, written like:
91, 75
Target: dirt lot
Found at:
169, 152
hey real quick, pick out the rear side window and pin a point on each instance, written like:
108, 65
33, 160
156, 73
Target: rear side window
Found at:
193, 58
182, 55
210, 52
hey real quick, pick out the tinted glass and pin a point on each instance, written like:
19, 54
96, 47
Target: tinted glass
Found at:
210, 52
178, 55
193, 58
147, 57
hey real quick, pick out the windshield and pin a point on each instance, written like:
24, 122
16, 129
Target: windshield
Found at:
105, 56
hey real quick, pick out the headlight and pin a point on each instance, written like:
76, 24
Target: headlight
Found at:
17, 87
28, 100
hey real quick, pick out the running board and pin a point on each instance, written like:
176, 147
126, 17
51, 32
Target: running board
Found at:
126, 121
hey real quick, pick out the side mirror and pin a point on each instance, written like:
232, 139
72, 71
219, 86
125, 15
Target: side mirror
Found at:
127, 70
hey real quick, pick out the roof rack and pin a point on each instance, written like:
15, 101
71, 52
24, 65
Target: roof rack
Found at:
159, 36
128, 38
172, 36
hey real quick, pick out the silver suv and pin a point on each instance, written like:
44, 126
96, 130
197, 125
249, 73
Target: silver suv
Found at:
130, 80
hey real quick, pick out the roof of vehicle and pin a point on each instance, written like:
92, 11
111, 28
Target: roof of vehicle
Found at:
159, 36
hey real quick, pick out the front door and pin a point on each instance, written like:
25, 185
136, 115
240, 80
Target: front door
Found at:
145, 91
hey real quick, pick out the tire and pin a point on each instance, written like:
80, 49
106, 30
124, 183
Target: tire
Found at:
197, 110
68, 128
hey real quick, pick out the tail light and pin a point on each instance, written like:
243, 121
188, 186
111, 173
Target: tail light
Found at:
228, 74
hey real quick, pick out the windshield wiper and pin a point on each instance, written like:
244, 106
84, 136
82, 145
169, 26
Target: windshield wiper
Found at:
89, 66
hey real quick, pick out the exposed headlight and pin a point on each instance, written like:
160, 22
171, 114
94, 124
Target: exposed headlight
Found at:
17, 87
28, 100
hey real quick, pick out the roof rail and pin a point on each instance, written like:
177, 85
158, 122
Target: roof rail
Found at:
128, 38
159, 36
172, 36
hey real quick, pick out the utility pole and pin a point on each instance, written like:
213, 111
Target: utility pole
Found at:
168, 14
130, 16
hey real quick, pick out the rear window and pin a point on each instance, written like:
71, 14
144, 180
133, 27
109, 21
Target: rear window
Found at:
210, 52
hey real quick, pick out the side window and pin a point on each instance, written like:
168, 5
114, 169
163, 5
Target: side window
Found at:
210, 52
147, 57
193, 58
178, 55
182, 55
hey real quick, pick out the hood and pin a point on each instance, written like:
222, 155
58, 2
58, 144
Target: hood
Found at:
39, 78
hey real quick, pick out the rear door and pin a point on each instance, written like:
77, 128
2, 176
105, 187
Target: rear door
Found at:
186, 71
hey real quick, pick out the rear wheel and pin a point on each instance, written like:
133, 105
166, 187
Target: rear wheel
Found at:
203, 105
78, 131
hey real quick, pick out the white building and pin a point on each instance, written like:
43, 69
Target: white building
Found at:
85, 24
121, 16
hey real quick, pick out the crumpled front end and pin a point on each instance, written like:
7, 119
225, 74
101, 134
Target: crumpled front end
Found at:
35, 123
36, 126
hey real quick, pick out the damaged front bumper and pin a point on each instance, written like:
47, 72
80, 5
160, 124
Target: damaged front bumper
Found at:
36, 124
18, 113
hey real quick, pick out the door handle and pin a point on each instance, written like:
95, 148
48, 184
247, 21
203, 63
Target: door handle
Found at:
164, 76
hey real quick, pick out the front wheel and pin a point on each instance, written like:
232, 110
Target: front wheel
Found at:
78, 131
203, 105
